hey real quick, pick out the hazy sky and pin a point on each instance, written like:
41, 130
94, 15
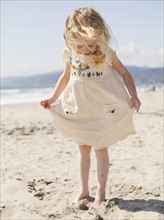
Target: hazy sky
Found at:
32, 33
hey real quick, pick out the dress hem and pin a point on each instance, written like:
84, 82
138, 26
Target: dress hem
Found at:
98, 147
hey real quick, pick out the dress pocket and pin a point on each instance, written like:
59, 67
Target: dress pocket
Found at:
68, 110
114, 110
69, 106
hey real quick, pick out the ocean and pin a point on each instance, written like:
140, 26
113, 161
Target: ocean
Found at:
28, 89
32, 95
26, 95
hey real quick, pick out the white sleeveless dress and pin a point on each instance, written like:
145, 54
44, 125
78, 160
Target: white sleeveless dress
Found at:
94, 109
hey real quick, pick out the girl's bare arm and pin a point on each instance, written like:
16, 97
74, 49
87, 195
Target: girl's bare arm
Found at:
128, 81
60, 86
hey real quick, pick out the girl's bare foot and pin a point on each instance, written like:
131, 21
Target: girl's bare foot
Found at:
79, 197
95, 205
100, 197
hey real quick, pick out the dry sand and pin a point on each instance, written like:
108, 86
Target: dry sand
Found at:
40, 169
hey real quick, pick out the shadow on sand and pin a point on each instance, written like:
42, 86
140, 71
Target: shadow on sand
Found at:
136, 205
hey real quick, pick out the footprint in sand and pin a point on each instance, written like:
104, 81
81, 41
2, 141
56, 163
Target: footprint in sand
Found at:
38, 186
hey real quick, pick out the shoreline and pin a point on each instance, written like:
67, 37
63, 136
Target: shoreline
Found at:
25, 96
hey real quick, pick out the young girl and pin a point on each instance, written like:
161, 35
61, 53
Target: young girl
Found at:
95, 97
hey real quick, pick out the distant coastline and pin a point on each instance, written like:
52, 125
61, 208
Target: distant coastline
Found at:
141, 75
30, 89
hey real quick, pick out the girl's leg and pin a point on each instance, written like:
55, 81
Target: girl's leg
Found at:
84, 172
102, 175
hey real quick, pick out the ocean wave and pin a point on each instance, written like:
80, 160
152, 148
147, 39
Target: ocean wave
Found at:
30, 95
16, 96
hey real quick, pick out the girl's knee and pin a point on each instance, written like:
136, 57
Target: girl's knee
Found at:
85, 149
102, 150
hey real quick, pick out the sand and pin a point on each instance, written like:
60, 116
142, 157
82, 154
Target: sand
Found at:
40, 168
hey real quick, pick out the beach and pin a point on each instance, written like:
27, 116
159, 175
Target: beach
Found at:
40, 168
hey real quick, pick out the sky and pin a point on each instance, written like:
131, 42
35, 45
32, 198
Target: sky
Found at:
32, 33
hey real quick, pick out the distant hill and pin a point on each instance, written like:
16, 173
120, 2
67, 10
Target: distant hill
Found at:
147, 75
37, 81
141, 75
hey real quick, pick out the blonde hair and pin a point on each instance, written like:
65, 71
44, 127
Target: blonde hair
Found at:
86, 24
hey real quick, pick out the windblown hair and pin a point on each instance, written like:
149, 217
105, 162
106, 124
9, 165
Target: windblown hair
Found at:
86, 24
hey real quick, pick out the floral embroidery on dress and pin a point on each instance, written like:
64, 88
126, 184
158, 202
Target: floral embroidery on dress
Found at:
97, 62
80, 67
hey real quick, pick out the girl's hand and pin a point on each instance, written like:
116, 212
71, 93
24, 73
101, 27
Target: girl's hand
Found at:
135, 102
46, 103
